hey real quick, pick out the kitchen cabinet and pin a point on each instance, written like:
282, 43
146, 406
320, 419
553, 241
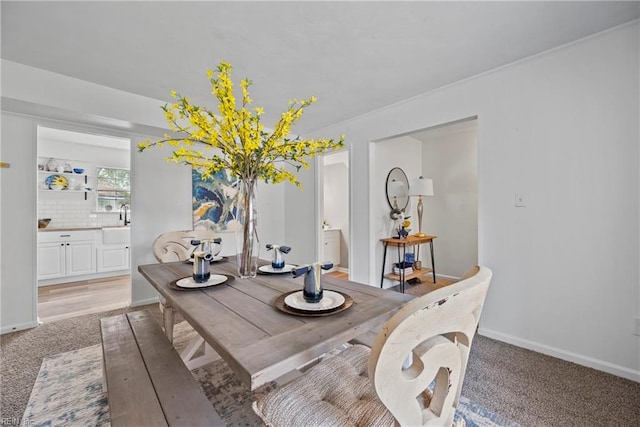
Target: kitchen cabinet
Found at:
63, 254
113, 258
331, 246
51, 260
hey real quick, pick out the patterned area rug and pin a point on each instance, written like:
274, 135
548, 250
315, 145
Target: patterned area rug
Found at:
68, 392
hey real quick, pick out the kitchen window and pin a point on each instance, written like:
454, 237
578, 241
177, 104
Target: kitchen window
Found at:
113, 189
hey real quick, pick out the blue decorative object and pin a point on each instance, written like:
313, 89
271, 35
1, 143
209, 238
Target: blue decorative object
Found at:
409, 257
278, 260
78, 170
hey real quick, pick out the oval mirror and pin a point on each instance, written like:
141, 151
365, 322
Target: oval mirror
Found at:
397, 189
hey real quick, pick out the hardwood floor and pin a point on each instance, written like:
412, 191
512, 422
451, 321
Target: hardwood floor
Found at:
67, 300
426, 284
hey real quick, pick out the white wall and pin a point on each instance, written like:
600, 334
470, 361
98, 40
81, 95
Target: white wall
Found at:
18, 205
302, 222
161, 192
562, 129
402, 152
450, 159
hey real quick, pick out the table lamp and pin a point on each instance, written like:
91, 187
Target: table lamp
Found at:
420, 187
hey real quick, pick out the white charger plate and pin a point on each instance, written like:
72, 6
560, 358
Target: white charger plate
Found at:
270, 270
329, 301
189, 283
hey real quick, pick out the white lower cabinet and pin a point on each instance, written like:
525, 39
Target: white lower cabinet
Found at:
51, 260
62, 254
81, 258
113, 258
331, 247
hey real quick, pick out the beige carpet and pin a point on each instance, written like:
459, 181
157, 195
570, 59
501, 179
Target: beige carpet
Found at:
68, 392
524, 386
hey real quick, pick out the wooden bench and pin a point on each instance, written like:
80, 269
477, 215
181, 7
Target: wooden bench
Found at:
147, 382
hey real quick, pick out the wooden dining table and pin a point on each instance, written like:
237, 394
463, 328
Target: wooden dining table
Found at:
260, 342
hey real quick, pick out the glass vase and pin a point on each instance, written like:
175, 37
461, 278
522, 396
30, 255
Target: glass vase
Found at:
247, 243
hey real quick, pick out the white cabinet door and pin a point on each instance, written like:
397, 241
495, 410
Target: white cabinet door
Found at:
331, 247
81, 258
51, 260
113, 258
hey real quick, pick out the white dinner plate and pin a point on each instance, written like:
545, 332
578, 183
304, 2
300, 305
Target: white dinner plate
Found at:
214, 259
189, 283
330, 300
269, 269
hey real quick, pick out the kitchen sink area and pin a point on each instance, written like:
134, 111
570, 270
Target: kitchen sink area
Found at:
112, 235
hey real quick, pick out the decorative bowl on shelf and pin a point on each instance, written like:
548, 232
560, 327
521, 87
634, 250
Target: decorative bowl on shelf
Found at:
78, 170
43, 222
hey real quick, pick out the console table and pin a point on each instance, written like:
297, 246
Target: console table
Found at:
401, 245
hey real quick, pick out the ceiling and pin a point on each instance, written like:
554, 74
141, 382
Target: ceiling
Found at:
355, 57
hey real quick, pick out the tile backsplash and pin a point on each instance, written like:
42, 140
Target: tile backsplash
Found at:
76, 214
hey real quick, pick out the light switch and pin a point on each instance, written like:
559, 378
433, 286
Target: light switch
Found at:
520, 203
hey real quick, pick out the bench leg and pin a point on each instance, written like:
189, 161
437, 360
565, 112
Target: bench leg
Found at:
104, 376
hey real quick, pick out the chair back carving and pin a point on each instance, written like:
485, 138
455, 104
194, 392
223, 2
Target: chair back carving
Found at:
436, 330
176, 245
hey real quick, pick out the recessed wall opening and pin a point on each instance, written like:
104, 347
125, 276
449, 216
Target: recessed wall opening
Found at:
448, 155
335, 211
83, 243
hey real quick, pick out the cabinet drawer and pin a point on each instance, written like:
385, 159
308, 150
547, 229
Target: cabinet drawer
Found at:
66, 236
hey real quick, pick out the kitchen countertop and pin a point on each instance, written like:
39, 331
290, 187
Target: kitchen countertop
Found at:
80, 228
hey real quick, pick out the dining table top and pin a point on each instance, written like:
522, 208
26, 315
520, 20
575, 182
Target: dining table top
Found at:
259, 341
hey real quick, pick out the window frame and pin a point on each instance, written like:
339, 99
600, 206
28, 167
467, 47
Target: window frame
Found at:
120, 194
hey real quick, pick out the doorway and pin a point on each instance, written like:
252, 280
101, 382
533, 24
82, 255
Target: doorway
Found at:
335, 211
448, 155
82, 180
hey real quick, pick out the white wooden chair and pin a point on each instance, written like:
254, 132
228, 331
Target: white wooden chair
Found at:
176, 245
366, 387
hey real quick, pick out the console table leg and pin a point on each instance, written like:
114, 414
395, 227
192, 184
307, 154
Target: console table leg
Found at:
384, 260
433, 263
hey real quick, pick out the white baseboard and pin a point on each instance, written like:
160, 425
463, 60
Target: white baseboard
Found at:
144, 302
18, 327
600, 365
343, 270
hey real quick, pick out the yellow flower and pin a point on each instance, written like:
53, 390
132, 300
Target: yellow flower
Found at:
245, 149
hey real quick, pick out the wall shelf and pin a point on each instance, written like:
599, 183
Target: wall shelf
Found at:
69, 174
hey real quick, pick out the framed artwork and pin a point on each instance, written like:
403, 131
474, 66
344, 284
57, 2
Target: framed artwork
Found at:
214, 202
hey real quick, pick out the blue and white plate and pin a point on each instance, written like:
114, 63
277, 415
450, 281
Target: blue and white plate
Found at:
270, 270
57, 182
189, 283
329, 301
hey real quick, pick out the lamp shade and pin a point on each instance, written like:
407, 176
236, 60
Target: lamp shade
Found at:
421, 187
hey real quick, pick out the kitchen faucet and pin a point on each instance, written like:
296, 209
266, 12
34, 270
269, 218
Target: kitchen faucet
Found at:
126, 211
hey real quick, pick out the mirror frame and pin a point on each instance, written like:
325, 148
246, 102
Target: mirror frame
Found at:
402, 195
